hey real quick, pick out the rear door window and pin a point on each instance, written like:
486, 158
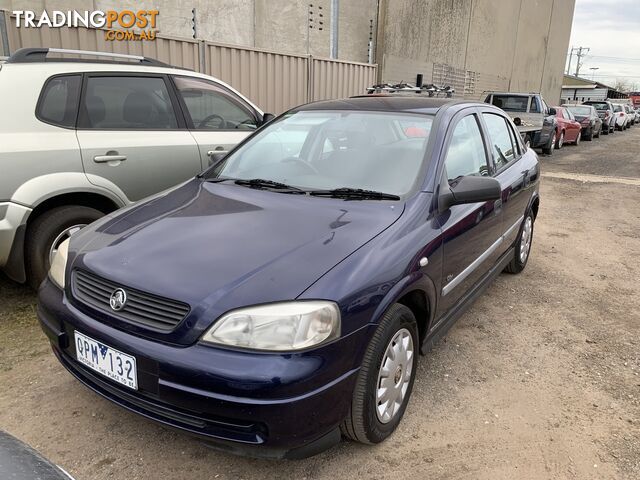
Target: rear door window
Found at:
58, 102
127, 103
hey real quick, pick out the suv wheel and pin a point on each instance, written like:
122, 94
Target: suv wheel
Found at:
522, 246
385, 379
47, 232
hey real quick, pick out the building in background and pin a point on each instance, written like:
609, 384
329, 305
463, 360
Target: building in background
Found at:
578, 89
471, 45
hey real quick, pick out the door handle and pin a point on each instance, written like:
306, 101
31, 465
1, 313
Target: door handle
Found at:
109, 158
214, 152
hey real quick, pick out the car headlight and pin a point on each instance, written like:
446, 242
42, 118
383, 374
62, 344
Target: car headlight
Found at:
282, 326
59, 264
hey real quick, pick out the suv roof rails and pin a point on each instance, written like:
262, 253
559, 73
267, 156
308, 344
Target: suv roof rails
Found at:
35, 55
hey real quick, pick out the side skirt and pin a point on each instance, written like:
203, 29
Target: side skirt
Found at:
449, 319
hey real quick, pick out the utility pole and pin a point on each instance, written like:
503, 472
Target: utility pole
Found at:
570, 57
579, 55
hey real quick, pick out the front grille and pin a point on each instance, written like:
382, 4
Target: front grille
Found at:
140, 308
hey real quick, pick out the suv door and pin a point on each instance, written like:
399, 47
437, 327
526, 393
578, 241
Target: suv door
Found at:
217, 118
506, 154
471, 233
130, 134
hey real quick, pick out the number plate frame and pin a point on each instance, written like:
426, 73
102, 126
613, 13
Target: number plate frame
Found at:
106, 360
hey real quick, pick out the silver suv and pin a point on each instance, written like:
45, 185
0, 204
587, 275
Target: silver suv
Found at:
81, 138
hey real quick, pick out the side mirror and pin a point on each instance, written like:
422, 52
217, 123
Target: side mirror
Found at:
552, 111
469, 189
266, 118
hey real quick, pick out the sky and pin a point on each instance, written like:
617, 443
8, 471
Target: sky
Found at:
611, 29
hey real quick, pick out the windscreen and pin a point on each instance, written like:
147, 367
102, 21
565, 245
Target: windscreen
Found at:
314, 150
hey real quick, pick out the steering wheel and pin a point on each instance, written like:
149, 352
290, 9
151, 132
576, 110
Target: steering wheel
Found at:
213, 116
304, 163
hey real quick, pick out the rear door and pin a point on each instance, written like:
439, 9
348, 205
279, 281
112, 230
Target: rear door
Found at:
217, 118
132, 135
471, 233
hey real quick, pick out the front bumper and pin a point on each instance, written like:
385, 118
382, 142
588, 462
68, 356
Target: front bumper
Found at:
13, 220
257, 404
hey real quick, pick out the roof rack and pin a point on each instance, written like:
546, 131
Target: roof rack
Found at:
34, 55
430, 89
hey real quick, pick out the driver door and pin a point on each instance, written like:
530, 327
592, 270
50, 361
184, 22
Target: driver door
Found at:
217, 118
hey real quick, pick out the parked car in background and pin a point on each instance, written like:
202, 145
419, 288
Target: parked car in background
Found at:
568, 129
606, 114
631, 113
79, 139
18, 461
536, 122
588, 118
621, 115
280, 299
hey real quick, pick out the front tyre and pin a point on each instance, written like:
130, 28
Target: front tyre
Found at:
522, 246
560, 141
47, 232
385, 379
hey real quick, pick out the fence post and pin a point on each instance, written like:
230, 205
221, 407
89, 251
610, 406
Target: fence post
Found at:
202, 55
310, 85
4, 37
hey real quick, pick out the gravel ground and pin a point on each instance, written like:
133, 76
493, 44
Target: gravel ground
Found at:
539, 379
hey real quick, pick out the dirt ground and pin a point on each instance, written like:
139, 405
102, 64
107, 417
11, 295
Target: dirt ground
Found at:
540, 379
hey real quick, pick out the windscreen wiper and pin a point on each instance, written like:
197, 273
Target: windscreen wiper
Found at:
269, 184
354, 194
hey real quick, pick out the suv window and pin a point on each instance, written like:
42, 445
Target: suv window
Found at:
212, 108
516, 103
59, 100
466, 154
500, 139
127, 102
535, 108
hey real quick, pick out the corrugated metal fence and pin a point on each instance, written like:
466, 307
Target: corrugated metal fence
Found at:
274, 81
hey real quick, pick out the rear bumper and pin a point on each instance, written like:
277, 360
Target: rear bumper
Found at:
234, 401
13, 220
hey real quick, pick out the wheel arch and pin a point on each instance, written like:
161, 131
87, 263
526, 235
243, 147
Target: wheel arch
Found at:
417, 292
61, 189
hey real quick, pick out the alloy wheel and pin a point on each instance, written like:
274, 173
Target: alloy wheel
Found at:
561, 140
394, 376
525, 239
62, 236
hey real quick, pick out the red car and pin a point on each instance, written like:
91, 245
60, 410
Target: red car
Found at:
568, 129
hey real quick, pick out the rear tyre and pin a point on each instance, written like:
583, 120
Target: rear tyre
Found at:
522, 245
548, 150
589, 136
385, 379
47, 232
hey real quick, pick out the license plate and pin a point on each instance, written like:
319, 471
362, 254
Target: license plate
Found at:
106, 360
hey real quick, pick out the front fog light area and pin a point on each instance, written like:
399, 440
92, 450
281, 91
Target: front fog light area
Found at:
278, 326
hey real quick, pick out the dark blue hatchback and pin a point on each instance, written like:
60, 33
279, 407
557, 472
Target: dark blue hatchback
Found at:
279, 300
